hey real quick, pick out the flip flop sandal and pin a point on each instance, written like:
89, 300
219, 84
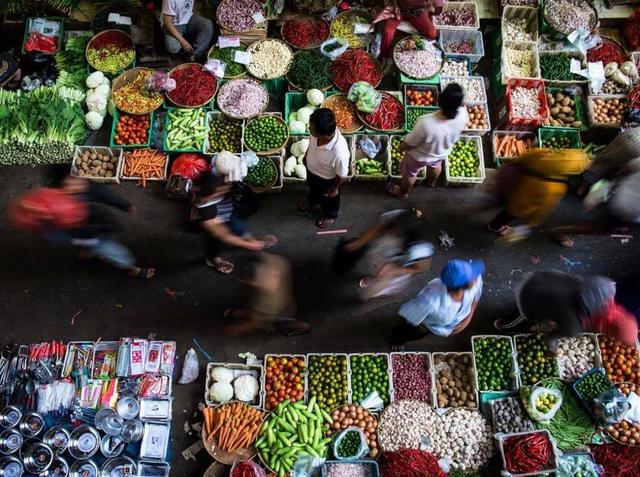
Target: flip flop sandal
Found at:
502, 231
270, 241
325, 223
145, 273
394, 190
221, 265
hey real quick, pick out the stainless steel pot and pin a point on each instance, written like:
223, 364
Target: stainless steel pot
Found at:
31, 424
111, 446
84, 442
37, 457
128, 407
11, 467
118, 467
10, 441
10, 417
59, 468
84, 468
132, 431
57, 438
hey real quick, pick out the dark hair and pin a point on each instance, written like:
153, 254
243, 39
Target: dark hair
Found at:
324, 121
210, 184
450, 100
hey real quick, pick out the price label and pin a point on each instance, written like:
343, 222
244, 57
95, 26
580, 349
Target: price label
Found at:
242, 57
258, 17
228, 41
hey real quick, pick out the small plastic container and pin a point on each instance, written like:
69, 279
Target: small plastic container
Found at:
547, 133
203, 122
450, 6
455, 35
238, 370
383, 156
453, 181
264, 376
543, 111
515, 374
432, 389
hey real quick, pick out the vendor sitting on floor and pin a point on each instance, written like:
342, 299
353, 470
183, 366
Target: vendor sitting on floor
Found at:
179, 23
415, 12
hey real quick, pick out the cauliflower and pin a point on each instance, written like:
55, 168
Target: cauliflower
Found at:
299, 148
289, 166
301, 171
95, 79
304, 114
95, 102
93, 120
103, 90
297, 127
315, 97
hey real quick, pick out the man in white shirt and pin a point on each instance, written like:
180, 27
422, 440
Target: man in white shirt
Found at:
179, 23
444, 307
327, 162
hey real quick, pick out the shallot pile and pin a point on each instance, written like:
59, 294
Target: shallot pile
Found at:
569, 15
411, 377
242, 98
237, 15
418, 62
463, 16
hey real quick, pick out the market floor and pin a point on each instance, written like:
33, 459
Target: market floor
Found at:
41, 289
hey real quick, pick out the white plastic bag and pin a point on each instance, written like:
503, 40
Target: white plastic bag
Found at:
190, 368
334, 47
537, 395
306, 466
363, 449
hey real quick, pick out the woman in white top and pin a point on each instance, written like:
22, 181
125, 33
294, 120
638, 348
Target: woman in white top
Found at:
431, 141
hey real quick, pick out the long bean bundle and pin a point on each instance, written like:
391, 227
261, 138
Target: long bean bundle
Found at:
571, 427
310, 70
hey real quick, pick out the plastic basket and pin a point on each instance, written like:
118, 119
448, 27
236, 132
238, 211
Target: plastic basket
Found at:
293, 101
515, 343
531, 48
529, 14
455, 35
597, 357
27, 32
578, 108
150, 179
384, 156
572, 134
479, 131
515, 374
549, 471
518, 134
217, 114
472, 372
468, 181
420, 87
165, 134
238, 369
637, 367
445, 80
450, 6
605, 97
432, 390
543, 112
389, 374
264, 374
572, 54
585, 403
491, 411
426, 110
310, 356
371, 471
114, 123
115, 151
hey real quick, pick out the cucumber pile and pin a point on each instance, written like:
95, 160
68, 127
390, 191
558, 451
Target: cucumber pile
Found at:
186, 130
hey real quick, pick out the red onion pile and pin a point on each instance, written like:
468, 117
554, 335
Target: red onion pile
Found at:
237, 15
242, 98
464, 16
418, 63
411, 377
463, 47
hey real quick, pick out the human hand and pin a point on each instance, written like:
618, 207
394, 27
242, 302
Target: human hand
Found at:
254, 245
332, 192
186, 46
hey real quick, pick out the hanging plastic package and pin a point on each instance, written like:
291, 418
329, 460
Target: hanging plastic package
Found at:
611, 406
369, 147
307, 466
161, 81
215, 67
190, 165
365, 96
543, 404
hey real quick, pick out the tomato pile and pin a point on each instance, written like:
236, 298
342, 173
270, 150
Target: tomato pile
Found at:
132, 129
620, 361
420, 98
284, 380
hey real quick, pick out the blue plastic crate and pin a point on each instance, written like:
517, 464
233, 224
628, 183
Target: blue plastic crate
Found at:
588, 405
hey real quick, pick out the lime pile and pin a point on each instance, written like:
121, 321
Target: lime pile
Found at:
369, 373
349, 445
266, 133
328, 380
262, 174
396, 155
545, 402
592, 385
557, 143
225, 134
463, 159
494, 364
534, 360
413, 114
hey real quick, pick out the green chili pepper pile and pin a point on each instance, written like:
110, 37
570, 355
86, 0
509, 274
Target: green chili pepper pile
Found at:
310, 70
231, 69
557, 67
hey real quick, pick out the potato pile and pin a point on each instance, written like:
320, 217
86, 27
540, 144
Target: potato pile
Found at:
608, 111
563, 111
352, 415
455, 380
477, 117
92, 164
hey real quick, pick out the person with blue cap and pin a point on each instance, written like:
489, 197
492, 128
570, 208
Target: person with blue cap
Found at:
444, 307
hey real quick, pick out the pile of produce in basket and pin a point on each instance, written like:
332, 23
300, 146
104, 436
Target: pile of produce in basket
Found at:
417, 57
620, 361
412, 462
463, 160
388, 116
328, 380
525, 103
454, 380
135, 97
228, 384
557, 67
576, 356
263, 174
494, 364
225, 134
519, 63
92, 164
592, 385
529, 453
369, 373
238, 15
284, 380
233, 426
567, 16
608, 111
396, 155
411, 376
460, 17
305, 32
417, 97
366, 165
452, 67
461, 47
310, 69
299, 120
350, 415
562, 108
509, 417
557, 142
577, 465
510, 145
227, 56
472, 88
266, 133
353, 66
185, 130
242, 98
144, 164
294, 165
132, 129
343, 27
111, 51
534, 360
478, 117
347, 469
269, 59
349, 445
413, 114
345, 112
194, 85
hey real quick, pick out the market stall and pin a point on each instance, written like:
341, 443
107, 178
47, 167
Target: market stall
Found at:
86, 408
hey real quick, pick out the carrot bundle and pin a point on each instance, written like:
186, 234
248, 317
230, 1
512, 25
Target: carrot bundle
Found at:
144, 164
511, 146
233, 425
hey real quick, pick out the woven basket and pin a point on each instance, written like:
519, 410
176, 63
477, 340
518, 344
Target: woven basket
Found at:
365, 39
274, 150
268, 187
295, 86
312, 19
126, 78
564, 28
330, 103
242, 47
379, 67
396, 50
125, 34
227, 27
361, 115
253, 46
226, 85
199, 105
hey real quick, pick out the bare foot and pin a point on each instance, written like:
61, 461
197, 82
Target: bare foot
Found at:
325, 222
221, 265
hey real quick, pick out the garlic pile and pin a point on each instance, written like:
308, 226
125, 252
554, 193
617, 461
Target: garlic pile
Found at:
516, 29
576, 356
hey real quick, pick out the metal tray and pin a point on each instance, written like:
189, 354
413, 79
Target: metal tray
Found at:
155, 409
155, 441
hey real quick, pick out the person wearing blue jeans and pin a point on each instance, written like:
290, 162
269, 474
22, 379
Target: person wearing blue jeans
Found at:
184, 31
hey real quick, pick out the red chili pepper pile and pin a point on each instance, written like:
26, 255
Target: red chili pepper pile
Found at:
617, 460
389, 114
39, 42
302, 33
113, 39
634, 97
410, 463
607, 52
353, 66
527, 453
243, 469
194, 86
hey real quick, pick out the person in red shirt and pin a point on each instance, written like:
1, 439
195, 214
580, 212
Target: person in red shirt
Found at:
415, 12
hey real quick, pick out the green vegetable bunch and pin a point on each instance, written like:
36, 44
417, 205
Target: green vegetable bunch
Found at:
310, 70
494, 364
266, 133
225, 55
328, 380
262, 174
369, 373
463, 160
72, 64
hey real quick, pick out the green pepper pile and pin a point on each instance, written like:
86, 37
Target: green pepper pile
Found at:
328, 380
262, 174
557, 67
310, 70
534, 359
494, 364
369, 373
266, 133
225, 134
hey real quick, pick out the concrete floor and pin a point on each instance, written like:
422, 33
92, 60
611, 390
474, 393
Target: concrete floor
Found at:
42, 288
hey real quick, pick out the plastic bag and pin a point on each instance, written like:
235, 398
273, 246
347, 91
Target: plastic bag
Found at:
550, 399
250, 158
363, 449
190, 165
39, 42
570, 465
240, 467
190, 368
611, 406
369, 147
215, 67
365, 96
306, 465
161, 81
334, 47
